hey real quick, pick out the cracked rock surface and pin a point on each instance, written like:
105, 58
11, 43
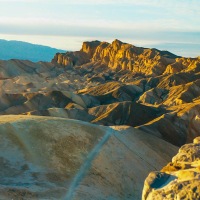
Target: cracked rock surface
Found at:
179, 179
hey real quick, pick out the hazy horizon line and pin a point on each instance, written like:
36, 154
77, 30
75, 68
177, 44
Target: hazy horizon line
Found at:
178, 48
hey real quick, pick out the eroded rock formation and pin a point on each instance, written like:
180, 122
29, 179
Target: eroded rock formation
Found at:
179, 179
119, 55
98, 79
150, 98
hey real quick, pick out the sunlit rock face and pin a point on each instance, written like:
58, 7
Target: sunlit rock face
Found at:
55, 158
179, 179
119, 55
70, 59
165, 80
90, 47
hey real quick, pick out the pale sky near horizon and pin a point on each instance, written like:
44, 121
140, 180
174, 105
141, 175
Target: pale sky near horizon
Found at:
172, 25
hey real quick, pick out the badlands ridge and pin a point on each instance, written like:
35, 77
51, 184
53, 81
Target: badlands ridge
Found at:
92, 124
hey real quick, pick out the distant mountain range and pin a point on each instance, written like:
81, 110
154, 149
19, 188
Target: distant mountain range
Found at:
26, 51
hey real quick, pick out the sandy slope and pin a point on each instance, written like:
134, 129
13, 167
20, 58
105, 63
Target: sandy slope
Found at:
55, 158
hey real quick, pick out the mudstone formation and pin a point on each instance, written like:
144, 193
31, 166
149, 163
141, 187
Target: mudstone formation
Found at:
147, 102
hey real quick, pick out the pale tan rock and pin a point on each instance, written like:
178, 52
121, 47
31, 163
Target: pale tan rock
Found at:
182, 176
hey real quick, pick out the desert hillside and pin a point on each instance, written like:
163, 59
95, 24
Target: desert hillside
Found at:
109, 84
92, 124
56, 158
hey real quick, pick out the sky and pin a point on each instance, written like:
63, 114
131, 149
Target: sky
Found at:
172, 25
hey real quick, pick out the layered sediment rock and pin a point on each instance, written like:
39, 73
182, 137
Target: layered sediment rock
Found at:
110, 84
117, 84
123, 56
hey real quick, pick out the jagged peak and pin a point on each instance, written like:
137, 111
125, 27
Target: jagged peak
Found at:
116, 44
90, 47
116, 41
123, 56
92, 43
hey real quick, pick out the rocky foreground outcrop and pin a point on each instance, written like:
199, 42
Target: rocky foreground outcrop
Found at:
55, 158
179, 179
